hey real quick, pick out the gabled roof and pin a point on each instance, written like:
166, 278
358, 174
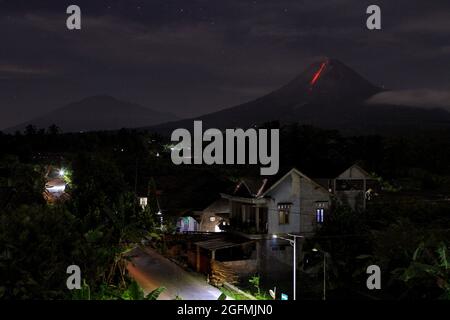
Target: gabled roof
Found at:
356, 167
289, 173
252, 187
221, 205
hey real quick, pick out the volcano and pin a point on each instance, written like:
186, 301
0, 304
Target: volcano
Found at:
327, 94
98, 113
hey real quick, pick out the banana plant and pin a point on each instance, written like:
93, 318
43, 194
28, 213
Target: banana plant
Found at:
427, 267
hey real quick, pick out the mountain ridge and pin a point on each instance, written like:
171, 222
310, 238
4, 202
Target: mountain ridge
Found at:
96, 113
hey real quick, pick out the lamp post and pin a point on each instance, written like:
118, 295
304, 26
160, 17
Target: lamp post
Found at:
293, 243
324, 296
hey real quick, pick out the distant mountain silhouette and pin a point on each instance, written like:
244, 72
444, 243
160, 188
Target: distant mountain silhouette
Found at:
327, 94
98, 113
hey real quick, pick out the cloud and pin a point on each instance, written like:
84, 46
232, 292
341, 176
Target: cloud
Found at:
435, 23
8, 71
424, 98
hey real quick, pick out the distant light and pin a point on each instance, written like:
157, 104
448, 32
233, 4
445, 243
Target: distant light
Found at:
159, 213
56, 189
315, 250
62, 172
274, 236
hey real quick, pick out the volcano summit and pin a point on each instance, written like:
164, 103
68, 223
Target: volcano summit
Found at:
326, 94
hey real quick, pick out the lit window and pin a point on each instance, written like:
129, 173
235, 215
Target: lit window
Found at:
283, 213
143, 202
319, 215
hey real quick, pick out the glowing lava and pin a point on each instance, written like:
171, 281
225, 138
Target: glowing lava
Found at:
318, 73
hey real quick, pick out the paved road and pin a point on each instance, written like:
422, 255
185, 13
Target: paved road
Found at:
151, 270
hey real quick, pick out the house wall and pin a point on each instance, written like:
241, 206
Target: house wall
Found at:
354, 198
219, 210
242, 267
284, 192
304, 196
275, 260
206, 225
186, 224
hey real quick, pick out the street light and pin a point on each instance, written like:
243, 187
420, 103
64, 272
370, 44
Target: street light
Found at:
324, 297
62, 172
293, 243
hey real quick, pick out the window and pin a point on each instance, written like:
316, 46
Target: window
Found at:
143, 202
283, 213
319, 215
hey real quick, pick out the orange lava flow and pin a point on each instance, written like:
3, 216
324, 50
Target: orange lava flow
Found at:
318, 73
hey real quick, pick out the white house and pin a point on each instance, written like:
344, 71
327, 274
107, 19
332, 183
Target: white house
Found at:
292, 204
296, 204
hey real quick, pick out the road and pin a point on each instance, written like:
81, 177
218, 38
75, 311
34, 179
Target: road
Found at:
151, 270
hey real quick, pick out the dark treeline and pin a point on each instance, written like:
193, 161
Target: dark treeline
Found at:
421, 158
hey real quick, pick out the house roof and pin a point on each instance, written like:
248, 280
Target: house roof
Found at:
351, 168
250, 186
294, 170
219, 206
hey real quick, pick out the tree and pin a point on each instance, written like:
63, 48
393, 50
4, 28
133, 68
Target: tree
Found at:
53, 129
428, 274
30, 130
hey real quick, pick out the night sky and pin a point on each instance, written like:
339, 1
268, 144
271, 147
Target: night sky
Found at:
199, 56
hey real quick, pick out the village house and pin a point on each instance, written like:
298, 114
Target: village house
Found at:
292, 204
259, 208
354, 187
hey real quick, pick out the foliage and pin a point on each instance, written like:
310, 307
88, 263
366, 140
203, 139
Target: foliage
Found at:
255, 282
95, 231
135, 292
231, 294
132, 292
428, 274
37, 244
222, 296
